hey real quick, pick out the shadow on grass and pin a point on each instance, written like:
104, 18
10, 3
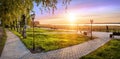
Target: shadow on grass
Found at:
48, 42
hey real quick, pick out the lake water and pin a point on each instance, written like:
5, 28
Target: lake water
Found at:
88, 24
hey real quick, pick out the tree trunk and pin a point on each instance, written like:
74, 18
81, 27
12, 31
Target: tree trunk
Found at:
2, 23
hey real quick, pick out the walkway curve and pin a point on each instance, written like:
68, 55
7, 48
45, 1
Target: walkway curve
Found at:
14, 49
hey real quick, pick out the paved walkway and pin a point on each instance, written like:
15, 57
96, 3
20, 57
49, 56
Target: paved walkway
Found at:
14, 49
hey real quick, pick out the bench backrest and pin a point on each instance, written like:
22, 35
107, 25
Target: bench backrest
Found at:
116, 33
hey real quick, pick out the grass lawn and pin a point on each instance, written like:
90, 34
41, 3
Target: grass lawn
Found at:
111, 50
51, 41
2, 39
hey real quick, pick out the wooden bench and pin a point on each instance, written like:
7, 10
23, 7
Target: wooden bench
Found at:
114, 34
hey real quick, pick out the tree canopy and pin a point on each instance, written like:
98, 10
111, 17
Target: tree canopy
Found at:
11, 10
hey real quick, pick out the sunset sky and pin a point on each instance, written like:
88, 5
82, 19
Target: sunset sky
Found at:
81, 11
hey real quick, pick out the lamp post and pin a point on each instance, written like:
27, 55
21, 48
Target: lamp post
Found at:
77, 26
91, 21
33, 43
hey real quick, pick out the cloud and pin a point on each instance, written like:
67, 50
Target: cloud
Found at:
100, 10
93, 3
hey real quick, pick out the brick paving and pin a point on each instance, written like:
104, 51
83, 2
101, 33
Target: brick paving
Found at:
14, 49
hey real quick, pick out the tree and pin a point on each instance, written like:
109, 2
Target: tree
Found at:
12, 10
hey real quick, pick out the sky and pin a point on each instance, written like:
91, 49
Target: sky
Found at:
82, 11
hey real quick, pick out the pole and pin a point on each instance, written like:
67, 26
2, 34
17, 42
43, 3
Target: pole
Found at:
33, 37
91, 31
77, 28
91, 21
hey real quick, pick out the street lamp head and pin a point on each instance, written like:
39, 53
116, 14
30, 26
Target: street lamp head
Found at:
91, 21
33, 16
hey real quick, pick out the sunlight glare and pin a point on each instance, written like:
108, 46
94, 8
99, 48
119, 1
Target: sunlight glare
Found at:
71, 17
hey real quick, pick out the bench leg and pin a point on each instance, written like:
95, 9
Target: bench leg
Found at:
111, 36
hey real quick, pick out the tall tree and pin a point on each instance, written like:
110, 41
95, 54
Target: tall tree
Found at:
11, 10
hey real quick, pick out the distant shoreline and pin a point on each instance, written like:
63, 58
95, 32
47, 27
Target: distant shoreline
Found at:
86, 24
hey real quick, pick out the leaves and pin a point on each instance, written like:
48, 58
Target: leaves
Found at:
13, 9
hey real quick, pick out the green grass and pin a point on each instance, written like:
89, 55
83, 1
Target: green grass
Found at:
51, 41
2, 39
111, 50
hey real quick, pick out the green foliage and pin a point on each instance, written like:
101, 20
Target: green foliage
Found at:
111, 50
11, 10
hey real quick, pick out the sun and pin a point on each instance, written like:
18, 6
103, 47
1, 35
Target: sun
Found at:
71, 17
